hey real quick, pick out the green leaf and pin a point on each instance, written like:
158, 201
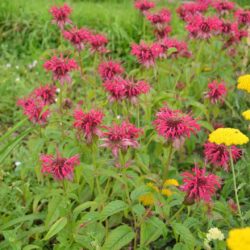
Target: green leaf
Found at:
112, 208
118, 238
56, 228
185, 235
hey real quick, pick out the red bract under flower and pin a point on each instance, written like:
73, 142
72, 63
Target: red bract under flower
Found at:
109, 69
88, 123
98, 43
121, 137
188, 10
61, 15
60, 67
223, 6
175, 125
120, 89
199, 185
243, 17
160, 19
146, 54
203, 27
144, 5
218, 155
78, 37
60, 168
235, 37
180, 46
47, 93
217, 92
160, 34
34, 109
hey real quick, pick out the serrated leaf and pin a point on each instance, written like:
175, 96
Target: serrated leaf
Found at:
56, 228
118, 238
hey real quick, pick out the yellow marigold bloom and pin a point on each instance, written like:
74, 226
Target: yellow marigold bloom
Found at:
244, 83
171, 182
147, 199
153, 186
246, 114
239, 239
228, 136
166, 192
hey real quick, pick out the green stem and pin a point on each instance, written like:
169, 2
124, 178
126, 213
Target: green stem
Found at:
235, 186
177, 213
165, 169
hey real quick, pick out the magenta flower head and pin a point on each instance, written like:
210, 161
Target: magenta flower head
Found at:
60, 68
174, 125
216, 92
242, 16
34, 109
203, 27
199, 186
160, 19
223, 6
88, 124
61, 15
98, 43
107, 70
59, 167
190, 9
146, 54
121, 137
77, 37
218, 155
180, 46
47, 93
120, 89
144, 5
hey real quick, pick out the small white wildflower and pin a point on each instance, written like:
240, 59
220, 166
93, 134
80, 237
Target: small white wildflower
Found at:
215, 234
18, 163
17, 67
118, 117
58, 90
8, 65
17, 79
56, 99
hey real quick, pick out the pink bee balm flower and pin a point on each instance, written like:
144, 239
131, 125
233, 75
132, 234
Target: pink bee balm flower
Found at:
61, 15
61, 67
116, 88
146, 54
223, 6
88, 124
34, 109
218, 155
216, 92
144, 5
199, 186
47, 94
228, 28
109, 69
188, 10
78, 37
174, 125
160, 19
59, 167
243, 16
203, 27
160, 34
180, 46
121, 137
98, 43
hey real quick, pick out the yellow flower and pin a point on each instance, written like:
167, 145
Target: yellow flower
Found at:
244, 83
166, 192
152, 185
246, 114
171, 182
228, 136
147, 199
239, 239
